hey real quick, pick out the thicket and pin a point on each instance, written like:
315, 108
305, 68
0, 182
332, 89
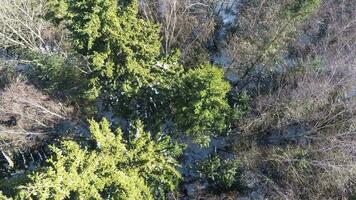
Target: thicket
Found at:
128, 73
288, 118
123, 69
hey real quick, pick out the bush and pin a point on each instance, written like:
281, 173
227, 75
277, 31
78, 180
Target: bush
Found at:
56, 74
221, 174
131, 77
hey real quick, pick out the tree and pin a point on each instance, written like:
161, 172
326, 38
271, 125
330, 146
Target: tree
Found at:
123, 52
129, 74
201, 107
121, 48
110, 169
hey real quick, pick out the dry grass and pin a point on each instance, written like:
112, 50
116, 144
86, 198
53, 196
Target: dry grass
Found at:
302, 139
35, 115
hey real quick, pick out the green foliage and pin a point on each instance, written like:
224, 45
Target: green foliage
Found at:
241, 105
9, 186
57, 10
221, 174
201, 106
151, 103
56, 73
129, 74
113, 169
301, 9
3, 197
122, 49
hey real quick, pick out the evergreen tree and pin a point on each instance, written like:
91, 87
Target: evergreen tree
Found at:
127, 71
123, 50
111, 169
201, 107
130, 75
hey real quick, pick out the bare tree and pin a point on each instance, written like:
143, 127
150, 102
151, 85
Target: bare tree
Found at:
22, 25
330, 33
302, 139
186, 25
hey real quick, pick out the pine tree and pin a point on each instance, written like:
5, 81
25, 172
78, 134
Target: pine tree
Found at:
127, 69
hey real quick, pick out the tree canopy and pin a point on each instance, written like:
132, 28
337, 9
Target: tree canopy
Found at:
111, 168
131, 76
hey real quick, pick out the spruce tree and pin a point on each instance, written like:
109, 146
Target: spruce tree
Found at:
201, 106
129, 74
112, 168
123, 50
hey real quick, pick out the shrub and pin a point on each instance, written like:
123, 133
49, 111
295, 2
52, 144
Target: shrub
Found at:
300, 140
130, 76
221, 174
56, 74
121, 48
127, 72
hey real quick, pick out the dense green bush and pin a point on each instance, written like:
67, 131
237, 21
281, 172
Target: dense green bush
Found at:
55, 73
222, 174
121, 48
201, 106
